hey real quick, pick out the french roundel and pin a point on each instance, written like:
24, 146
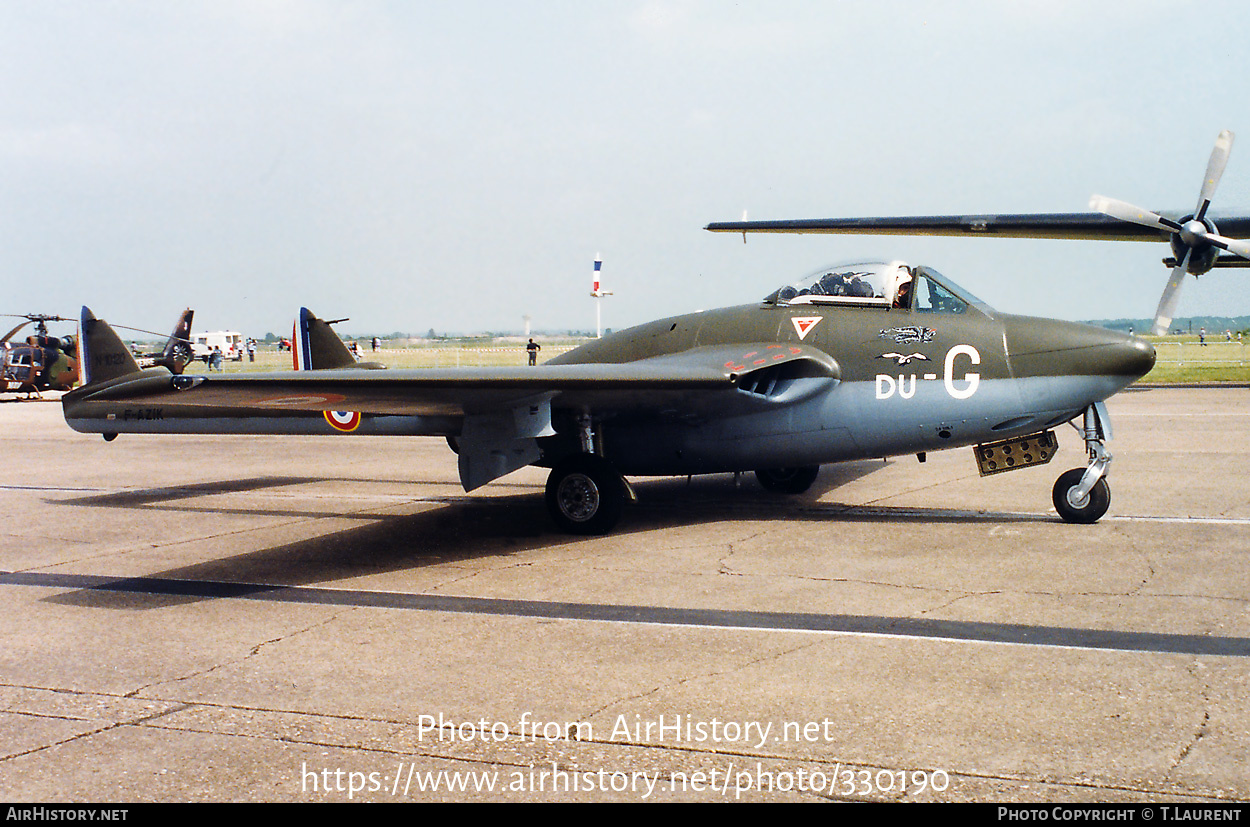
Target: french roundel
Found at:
346, 421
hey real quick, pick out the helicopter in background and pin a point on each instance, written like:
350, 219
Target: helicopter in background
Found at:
51, 363
42, 362
178, 351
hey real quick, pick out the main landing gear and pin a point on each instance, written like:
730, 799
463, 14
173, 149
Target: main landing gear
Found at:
1082, 494
585, 492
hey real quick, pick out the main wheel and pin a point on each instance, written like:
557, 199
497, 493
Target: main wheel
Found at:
585, 495
1094, 506
788, 480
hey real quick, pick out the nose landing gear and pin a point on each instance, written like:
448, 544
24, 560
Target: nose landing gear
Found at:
1082, 495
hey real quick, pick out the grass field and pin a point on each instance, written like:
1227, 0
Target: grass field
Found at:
1184, 359
1180, 358
492, 354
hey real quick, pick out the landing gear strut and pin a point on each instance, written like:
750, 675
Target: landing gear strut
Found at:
1082, 494
585, 493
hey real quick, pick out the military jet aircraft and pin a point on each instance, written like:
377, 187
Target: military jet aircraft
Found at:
41, 363
855, 361
812, 374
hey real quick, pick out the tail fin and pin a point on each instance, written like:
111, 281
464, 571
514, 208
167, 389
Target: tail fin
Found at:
101, 354
315, 346
178, 353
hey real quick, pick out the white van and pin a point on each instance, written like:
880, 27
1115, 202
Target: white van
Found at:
230, 342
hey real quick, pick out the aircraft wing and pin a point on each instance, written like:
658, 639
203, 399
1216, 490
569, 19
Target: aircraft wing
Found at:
1091, 225
701, 380
425, 392
496, 414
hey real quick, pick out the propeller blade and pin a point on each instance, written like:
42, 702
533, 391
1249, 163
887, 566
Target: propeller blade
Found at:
1171, 296
1233, 245
1215, 169
1134, 215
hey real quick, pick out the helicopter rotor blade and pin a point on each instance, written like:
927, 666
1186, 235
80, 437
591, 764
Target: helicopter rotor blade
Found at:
12, 332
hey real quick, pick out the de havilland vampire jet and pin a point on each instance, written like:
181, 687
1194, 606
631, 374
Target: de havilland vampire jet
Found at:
855, 361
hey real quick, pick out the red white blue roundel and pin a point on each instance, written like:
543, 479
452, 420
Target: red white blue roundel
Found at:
345, 421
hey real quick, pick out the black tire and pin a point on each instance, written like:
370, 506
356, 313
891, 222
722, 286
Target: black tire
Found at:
585, 495
788, 480
1096, 504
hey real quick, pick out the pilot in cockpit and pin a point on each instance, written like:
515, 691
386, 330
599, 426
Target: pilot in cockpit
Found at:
902, 293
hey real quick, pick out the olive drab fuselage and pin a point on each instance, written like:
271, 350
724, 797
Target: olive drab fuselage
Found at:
909, 382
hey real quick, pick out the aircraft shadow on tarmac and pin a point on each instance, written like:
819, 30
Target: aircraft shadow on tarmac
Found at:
180, 497
460, 528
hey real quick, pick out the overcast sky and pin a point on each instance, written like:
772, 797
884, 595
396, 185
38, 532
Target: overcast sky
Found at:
457, 165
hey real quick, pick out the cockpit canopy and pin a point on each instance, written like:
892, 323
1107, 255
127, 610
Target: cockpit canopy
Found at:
879, 284
861, 283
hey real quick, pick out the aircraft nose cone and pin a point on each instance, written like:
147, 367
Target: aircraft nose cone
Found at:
1136, 357
1043, 347
1115, 354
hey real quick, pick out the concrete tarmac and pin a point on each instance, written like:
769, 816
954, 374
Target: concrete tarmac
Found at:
333, 619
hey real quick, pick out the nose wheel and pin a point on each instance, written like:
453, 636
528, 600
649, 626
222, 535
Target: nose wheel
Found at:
1073, 507
1082, 494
